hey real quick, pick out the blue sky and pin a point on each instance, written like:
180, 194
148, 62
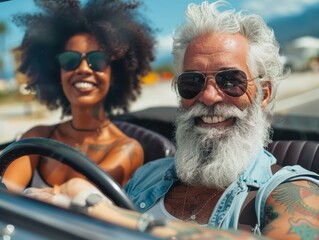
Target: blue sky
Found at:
164, 15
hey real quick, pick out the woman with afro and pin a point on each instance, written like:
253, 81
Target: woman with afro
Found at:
86, 59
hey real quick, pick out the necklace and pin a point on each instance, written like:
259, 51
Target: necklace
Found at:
194, 215
98, 129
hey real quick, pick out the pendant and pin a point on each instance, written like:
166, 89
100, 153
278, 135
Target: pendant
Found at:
193, 217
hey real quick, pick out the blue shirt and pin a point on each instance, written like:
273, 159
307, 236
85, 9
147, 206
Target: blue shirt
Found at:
153, 180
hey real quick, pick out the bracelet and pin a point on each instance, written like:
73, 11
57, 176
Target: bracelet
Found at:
146, 222
90, 201
80, 198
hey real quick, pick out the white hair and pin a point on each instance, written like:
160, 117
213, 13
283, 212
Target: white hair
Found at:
263, 56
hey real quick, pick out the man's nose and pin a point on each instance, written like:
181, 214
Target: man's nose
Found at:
211, 94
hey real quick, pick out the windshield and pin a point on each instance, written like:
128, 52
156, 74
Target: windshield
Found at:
293, 24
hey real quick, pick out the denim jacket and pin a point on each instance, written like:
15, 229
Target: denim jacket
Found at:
153, 180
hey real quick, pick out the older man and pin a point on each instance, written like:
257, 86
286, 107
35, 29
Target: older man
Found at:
227, 68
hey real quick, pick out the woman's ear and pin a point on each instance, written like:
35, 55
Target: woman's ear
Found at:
267, 90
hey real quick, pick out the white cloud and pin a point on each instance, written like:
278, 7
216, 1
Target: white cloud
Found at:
273, 8
164, 45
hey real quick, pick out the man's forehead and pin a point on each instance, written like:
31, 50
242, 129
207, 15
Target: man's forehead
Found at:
214, 42
218, 50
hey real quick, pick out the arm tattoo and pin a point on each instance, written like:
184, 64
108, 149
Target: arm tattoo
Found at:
293, 197
270, 214
304, 229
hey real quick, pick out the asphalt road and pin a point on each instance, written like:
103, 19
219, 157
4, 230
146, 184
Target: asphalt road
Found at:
299, 95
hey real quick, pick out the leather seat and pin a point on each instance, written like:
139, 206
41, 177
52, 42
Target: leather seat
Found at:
303, 153
155, 145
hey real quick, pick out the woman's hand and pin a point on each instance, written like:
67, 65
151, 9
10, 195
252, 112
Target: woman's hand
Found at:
75, 190
49, 195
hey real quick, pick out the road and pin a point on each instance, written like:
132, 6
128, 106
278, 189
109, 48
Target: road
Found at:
297, 94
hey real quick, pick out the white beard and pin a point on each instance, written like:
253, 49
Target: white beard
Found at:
216, 157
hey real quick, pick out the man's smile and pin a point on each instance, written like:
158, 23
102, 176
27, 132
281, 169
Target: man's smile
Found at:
214, 121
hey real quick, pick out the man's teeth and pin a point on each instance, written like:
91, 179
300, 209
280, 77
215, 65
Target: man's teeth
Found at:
84, 85
213, 119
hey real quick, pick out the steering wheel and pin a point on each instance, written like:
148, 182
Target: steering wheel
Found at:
71, 157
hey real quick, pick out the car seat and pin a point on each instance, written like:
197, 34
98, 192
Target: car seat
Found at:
155, 145
292, 152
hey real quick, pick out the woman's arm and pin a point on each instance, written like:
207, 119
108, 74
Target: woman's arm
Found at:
19, 173
106, 211
165, 228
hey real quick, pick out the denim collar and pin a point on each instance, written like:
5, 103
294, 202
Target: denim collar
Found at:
170, 173
259, 170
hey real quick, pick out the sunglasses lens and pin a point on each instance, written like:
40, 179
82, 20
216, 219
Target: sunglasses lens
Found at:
98, 60
190, 84
69, 60
232, 82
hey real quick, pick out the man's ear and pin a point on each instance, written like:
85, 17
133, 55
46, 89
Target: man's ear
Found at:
267, 90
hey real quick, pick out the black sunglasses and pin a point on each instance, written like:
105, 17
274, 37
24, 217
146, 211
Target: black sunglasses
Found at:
233, 82
71, 60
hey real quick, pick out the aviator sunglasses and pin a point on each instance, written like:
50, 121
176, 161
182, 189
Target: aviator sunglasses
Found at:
71, 60
233, 82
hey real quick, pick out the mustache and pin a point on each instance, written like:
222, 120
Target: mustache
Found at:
220, 109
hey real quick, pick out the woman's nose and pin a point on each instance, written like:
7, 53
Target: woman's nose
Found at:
84, 67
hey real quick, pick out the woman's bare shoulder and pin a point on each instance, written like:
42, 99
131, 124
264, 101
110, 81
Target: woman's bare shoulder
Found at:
39, 131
